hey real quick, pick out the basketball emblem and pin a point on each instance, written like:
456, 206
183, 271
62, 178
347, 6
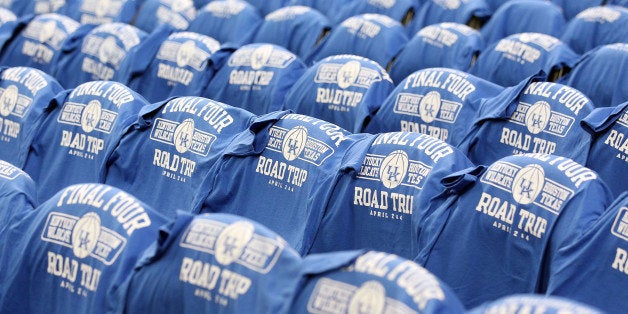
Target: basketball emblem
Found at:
294, 143
47, 30
538, 116
185, 52
369, 298
90, 116
85, 235
348, 74
183, 135
8, 100
107, 49
393, 169
178, 6
101, 7
429, 106
232, 240
527, 184
449, 4
260, 56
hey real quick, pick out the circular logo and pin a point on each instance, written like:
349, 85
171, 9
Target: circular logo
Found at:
183, 135
393, 169
185, 52
528, 183
90, 116
102, 7
181, 5
106, 50
348, 74
232, 240
260, 56
8, 100
538, 116
47, 30
429, 106
294, 143
370, 298
85, 235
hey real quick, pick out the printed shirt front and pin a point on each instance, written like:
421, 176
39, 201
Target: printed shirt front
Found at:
506, 222
74, 139
345, 89
71, 254
398, 10
331, 8
609, 62
593, 268
213, 263
25, 94
296, 28
609, 151
386, 182
256, 78
448, 45
183, 65
103, 11
164, 156
38, 45
439, 102
232, 22
99, 55
572, 8
279, 174
514, 58
532, 117
533, 303
373, 36
370, 282
23, 8
456, 11
176, 13
265, 7
595, 27
18, 194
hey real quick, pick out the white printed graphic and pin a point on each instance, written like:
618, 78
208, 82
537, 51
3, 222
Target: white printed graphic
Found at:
448, 4
429, 108
47, 31
8, 100
539, 117
430, 104
349, 74
369, 298
528, 183
297, 144
8, 171
260, 56
85, 235
394, 168
620, 225
91, 115
232, 241
184, 54
294, 143
183, 136
110, 52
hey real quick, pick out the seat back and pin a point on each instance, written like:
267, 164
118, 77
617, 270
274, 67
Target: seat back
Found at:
596, 26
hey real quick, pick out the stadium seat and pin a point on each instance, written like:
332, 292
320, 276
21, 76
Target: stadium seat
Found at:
370, 282
279, 173
24, 97
535, 303
385, 183
499, 227
440, 102
609, 62
344, 89
447, 45
176, 13
77, 134
596, 26
514, 58
296, 28
469, 12
231, 22
213, 263
609, 151
100, 12
256, 77
18, 195
532, 117
72, 253
164, 156
592, 269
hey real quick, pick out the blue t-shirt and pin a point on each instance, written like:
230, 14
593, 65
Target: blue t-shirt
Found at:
22, 7
506, 222
524, 16
457, 11
516, 57
370, 282
279, 173
448, 45
595, 27
213, 263
71, 254
373, 36
592, 269
572, 8
398, 10
609, 151
79, 131
18, 195
39, 43
183, 64
439, 102
296, 28
532, 117
24, 97
232, 22
609, 62
331, 8
176, 13
534, 303
265, 7
385, 183
102, 53
345, 89
256, 78
103, 11
163, 157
